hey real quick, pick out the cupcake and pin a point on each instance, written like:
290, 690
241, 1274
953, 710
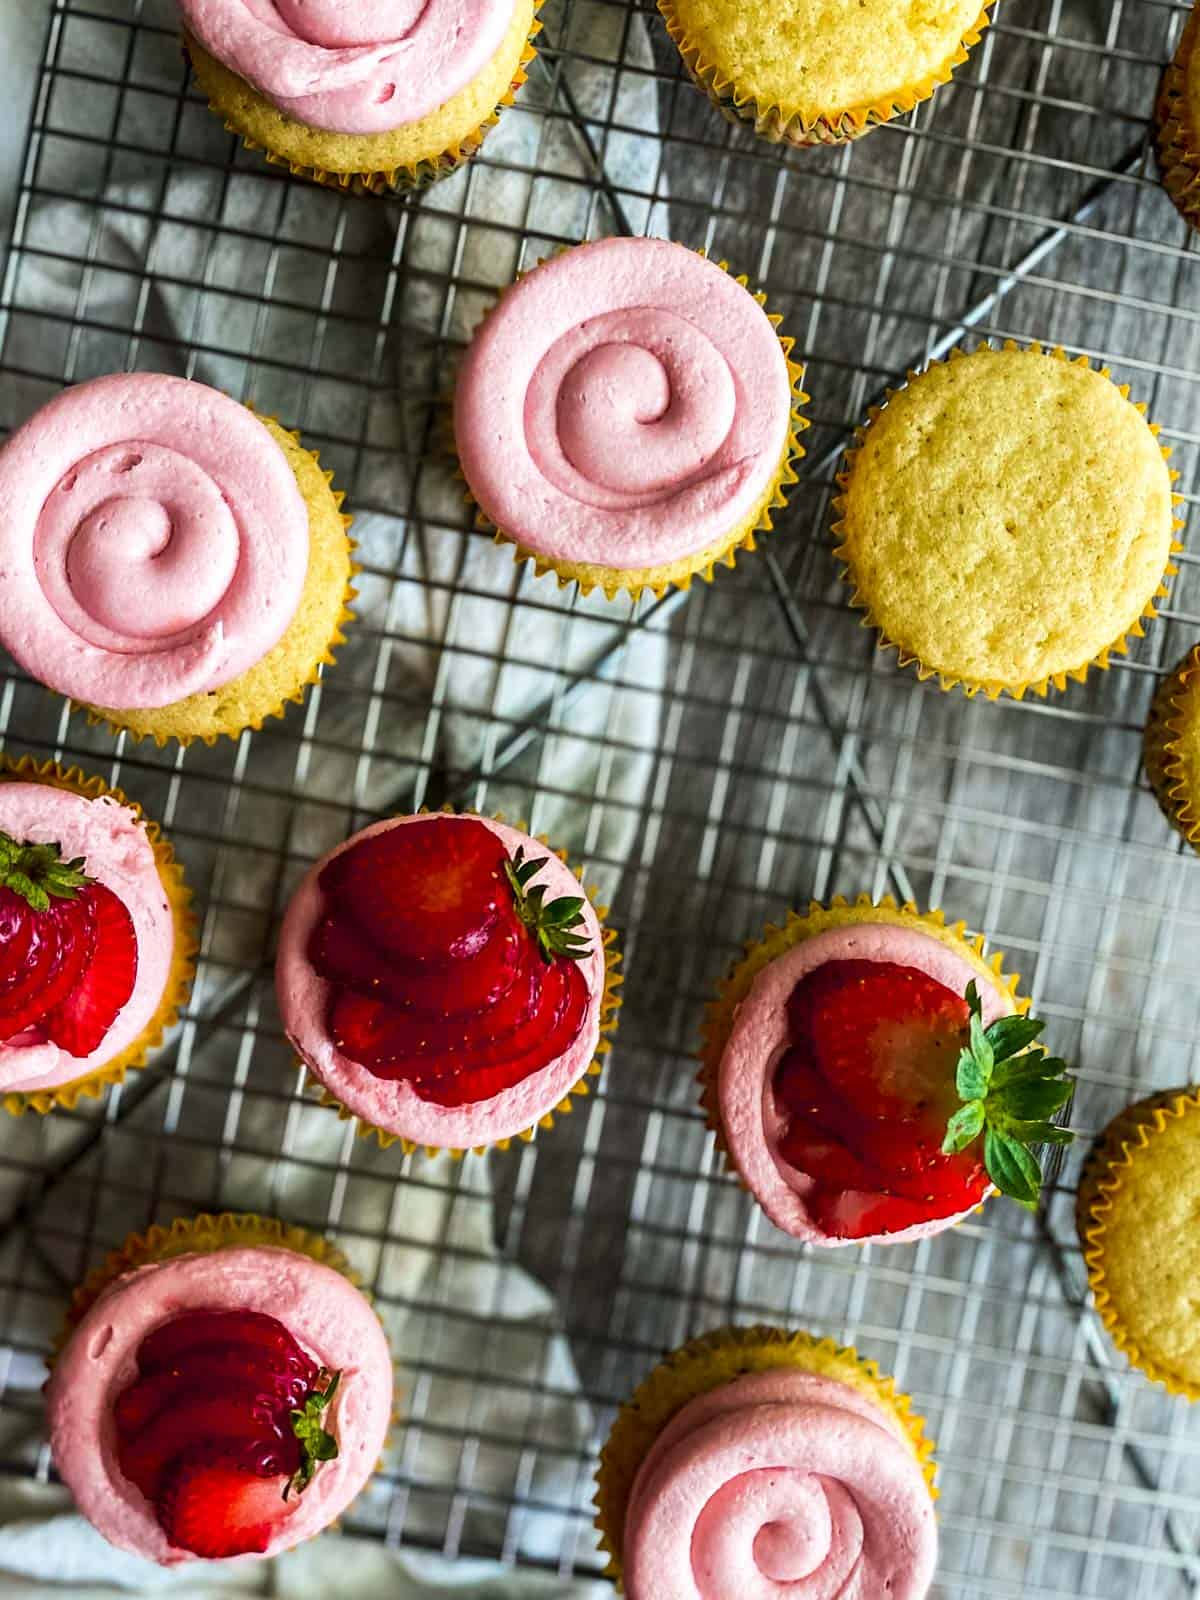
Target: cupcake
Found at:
820, 74
1179, 124
169, 560
627, 416
223, 1389
444, 982
1006, 520
755, 1461
1172, 747
870, 1076
375, 96
96, 942
1136, 1211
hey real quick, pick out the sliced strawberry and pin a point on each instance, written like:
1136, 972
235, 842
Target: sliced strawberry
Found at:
815, 1151
214, 1332
18, 921
210, 1371
857, 1214
236, 1419
437, 885
58, 953
80, 1022
342, 953
215, 1509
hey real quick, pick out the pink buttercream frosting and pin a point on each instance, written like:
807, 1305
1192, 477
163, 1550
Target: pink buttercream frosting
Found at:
395, 1105
118, 854
324, 1313
780, 1483
626, 405
749, 1119
352, 66
154, 542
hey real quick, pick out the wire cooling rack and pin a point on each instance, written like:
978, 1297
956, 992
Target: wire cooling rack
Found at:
714, 758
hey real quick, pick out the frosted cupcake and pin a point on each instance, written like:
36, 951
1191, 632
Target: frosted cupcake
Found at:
445, 981
223, 1390
379, 95
1172, 747
1136, 1211
872, 1077
170, 561
755, 1461
1179, 124
810, 73
1006, 520
96, 942
627, 416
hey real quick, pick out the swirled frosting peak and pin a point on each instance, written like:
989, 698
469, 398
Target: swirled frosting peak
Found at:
626, 405
780, 1484
154, 543
352, 66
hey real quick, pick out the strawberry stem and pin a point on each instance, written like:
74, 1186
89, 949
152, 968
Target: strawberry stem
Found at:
1010, 1089
316, 1443
554, 922
38, 873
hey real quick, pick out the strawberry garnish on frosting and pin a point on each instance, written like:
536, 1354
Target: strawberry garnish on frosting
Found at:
880, 1060
68, 951
223, 1428
448, 967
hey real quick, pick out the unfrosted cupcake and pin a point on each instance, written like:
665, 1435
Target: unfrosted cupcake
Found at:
1006, 520
1172, 747
820, 71
1136, 1210
446, 982
169, 560
96, 942
1179, 124
223, 1389
377, 95
757, 1461
865, 1069
627, 416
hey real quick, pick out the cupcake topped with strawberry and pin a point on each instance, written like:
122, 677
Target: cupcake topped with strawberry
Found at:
225, 1391
95, 941
872, 1077
445, 980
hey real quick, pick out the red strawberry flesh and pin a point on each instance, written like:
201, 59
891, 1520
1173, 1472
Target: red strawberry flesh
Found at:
217, 1510
865, 1091
81, 1021
60, 947
436, 977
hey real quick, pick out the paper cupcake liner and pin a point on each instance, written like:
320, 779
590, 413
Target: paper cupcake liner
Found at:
1165, 767
1098, 1215
215, 79
708, 1363
635, 581
179, 982
193, 719
786, 124
610, 1004
994, 688
1178, 138
776, 941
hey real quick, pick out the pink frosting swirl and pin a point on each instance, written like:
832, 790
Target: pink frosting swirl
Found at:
154, 543
352, 66
627, 404
780, 1484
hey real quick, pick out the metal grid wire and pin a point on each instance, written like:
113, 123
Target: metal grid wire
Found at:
713, 757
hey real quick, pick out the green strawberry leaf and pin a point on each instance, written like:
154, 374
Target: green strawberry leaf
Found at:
554, 925
1010, 1035
964, 1127
1033, 1100
1012, 1168
38, 873
317, 1444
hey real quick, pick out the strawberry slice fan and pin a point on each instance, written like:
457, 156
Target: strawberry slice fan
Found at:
900, 1104
223, 1429
449, 968
68, 951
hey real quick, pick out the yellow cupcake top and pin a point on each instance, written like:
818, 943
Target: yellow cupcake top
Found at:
1141, 1241
828, 57
1007, 519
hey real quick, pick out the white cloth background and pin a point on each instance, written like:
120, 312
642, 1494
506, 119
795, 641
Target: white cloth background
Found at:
44, 1549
